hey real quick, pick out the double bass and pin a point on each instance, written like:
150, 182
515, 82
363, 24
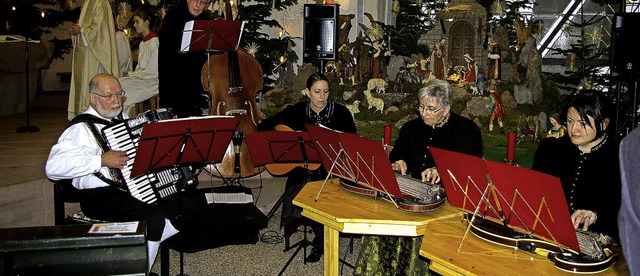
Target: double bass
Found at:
233, 78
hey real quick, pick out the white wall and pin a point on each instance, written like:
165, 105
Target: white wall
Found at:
50, 79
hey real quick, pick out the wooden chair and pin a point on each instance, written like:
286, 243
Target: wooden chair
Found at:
153, 103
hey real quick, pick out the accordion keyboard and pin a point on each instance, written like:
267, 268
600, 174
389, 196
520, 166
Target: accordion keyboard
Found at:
149, 187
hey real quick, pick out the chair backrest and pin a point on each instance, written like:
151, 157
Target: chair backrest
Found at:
63, 191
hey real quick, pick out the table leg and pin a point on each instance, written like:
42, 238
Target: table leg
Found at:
331, 250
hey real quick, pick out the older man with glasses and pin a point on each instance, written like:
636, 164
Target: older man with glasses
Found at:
180, 87
79, 160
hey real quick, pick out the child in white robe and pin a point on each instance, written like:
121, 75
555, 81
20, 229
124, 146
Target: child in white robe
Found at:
142, 83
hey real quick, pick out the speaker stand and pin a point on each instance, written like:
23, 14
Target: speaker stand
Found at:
320, 63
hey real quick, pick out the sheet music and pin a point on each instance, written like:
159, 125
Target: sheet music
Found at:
215, 35
229, 198
196, 118
186, 36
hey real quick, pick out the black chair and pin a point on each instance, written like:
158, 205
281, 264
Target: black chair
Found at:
64, 192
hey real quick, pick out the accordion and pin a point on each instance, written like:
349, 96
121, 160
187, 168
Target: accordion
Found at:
152, 186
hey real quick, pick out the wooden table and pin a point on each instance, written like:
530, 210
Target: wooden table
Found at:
441, 244
342, 211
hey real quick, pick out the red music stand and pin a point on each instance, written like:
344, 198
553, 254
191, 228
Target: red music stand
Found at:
211, 35
521, 198
281, 147
287, 147
355, 158
186, 141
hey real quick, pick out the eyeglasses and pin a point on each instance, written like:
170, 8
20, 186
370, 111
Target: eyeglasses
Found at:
112, 96
202, 2
431, 110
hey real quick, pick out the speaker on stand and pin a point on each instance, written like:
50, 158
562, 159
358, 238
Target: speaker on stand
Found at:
320, 40
625, 70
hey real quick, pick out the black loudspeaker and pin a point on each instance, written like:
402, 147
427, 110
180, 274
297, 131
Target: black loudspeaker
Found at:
320, 32
625, 56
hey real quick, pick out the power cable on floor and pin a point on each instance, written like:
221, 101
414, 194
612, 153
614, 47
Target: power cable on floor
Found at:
271, 237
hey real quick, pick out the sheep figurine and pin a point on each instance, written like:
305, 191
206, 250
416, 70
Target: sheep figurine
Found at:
373, 101
354, 107
378, 84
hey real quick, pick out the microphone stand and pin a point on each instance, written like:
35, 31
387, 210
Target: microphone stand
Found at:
27, 128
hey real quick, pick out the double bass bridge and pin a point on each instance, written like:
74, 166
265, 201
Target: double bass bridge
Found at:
233, 110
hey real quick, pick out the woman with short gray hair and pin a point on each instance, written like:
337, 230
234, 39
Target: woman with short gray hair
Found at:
436, 126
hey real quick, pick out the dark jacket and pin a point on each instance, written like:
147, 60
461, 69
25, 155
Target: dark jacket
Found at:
334, 116
589, 181
179, 73
458, 134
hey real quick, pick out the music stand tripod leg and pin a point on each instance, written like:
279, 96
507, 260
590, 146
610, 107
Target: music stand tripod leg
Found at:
343, 261
302, 244
275, 207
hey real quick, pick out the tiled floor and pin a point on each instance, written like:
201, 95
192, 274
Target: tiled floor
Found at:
23, 155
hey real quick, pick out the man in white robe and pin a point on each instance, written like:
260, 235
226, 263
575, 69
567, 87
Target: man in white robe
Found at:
94, 51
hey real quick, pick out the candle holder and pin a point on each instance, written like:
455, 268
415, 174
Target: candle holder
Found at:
511, 162
387, 148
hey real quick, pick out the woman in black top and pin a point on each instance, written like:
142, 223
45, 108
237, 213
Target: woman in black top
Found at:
439, 127
318, 110
586, 161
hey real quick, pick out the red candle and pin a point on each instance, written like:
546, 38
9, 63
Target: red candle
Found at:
387, 135
511, 147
